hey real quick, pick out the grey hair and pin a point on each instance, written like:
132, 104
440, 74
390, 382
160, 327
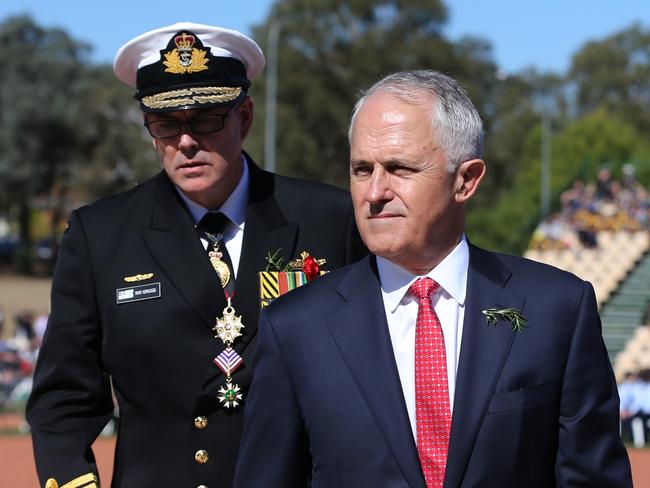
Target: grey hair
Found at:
454, 119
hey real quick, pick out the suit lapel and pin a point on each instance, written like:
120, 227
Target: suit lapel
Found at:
361, 332
172, 241
483, 352
266, 230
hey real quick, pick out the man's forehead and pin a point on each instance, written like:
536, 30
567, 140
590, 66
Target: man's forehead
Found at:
390, 119
385, 108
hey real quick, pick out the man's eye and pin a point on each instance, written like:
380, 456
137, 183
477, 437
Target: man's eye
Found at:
165, 124
206, 122
360, 170
400, 170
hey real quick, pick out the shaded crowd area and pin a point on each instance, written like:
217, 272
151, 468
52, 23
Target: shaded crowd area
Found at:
634, 392
18, 355
608, 204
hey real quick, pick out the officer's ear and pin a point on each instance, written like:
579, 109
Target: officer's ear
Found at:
246, 112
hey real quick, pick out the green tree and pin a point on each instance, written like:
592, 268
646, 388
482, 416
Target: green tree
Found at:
116, 148
577, 152
40, 88
513, 110
67, 127
614, 73
331, 50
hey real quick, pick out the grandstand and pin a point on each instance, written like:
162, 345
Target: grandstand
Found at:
615, 257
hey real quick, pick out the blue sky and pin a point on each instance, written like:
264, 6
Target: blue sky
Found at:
542, 33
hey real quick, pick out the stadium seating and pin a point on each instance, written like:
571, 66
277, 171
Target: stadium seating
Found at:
619, 269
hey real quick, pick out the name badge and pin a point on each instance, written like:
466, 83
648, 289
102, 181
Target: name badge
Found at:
138, 293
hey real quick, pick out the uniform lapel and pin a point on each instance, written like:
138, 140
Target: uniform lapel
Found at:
361, 332
173, 242
483, 352
266, 230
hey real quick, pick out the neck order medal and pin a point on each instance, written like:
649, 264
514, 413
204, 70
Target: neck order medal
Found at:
219, 265
228, 329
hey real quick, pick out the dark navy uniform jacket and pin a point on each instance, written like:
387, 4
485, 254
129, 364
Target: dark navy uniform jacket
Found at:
156, 354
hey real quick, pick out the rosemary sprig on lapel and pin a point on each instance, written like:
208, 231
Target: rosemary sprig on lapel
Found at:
512, 315
274, 262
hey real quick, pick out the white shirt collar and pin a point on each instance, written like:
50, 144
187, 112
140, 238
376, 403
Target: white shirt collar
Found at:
450, 274
234, 207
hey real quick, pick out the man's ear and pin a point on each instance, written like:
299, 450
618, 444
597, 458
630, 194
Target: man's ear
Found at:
246, 112
468, 177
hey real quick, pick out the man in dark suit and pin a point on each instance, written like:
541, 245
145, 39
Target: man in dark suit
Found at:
432, 362
135, 296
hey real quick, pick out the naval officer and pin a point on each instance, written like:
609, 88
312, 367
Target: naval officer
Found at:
155, 296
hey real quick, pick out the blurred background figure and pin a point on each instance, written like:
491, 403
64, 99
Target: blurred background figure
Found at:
630, 392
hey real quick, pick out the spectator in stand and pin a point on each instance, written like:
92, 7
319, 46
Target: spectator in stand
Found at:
9, 371
644, 401
607, 205
604, 184
40, 324
630, 392
24, 325
587, 234
573, 199
629, 178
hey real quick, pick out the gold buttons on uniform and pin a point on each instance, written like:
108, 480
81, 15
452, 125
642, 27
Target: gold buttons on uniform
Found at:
201, 422
201, 456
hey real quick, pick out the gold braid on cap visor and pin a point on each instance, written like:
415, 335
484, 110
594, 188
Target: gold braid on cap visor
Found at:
191, 96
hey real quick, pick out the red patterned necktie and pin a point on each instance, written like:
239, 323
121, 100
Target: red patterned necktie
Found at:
432, 412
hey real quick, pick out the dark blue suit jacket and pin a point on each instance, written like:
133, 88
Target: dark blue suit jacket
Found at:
536, 408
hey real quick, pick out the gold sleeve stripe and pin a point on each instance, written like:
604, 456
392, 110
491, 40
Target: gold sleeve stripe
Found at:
88, 480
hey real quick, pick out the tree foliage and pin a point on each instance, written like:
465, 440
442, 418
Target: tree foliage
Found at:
60, 118
70, 132
41, 84
578, 151
614, 73
330, 50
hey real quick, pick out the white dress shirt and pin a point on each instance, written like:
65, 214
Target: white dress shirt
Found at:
402, 310
235, 209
